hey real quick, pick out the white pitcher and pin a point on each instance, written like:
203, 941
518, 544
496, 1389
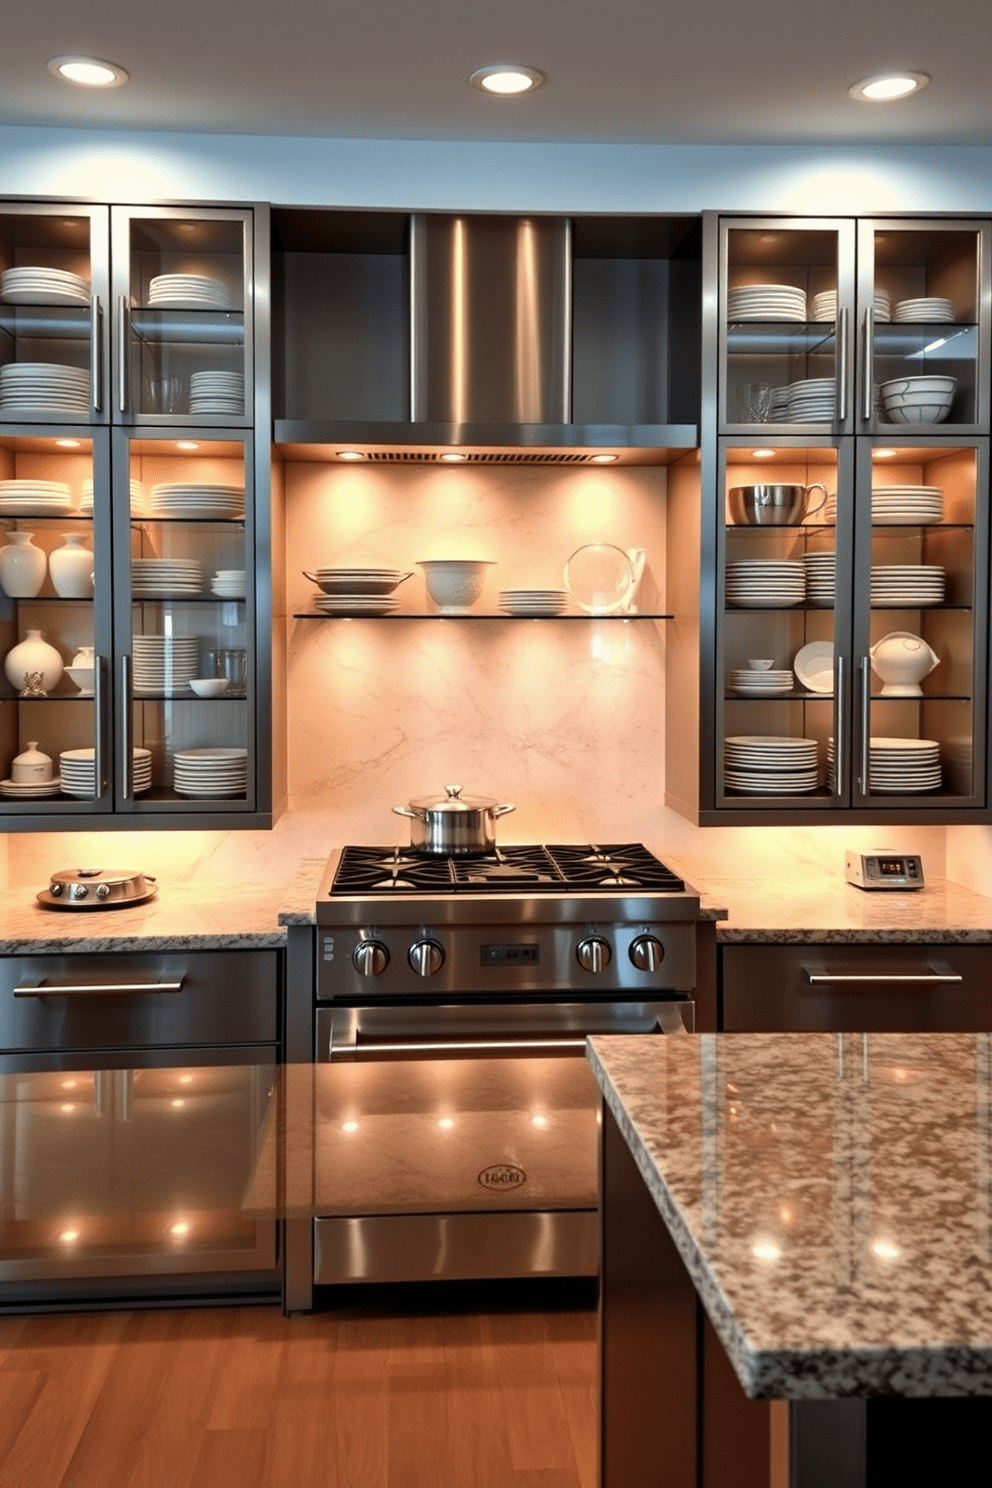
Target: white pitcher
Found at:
902, 660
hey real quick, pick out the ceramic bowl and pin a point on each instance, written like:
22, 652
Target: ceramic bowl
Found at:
209, 687
759, 664
83, 678
454, 584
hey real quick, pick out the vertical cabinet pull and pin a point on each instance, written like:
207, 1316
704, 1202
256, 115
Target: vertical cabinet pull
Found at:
841, 401
840, 727
96, 353
127, 773
868, 407
865, 780
123, 352
100, 727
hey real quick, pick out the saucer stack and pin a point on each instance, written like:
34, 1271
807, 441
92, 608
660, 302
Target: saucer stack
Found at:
164, 664
78, 767
898, 767
896, 585
229, 583
750, 683
758, 583
217, 393
47, 385
824, 305
165, 578
211, 772
34, 498
533, 601
185, 499
37, 286
931, 308
812, 400
907, 505
766, 302
766, 765
820, 578
30, 790
188, 292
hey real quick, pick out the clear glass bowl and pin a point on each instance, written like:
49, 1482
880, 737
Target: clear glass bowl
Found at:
600, 578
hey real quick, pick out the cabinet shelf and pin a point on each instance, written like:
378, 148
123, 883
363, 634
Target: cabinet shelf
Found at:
789, 338
189, 327
58, 322
482, 615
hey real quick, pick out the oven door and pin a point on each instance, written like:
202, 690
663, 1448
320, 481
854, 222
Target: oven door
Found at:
461, 1140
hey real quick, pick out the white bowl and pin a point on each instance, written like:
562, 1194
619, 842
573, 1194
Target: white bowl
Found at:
209, 687
919, 385
912, 400
919, 413
454, 584
756, 664
83, 678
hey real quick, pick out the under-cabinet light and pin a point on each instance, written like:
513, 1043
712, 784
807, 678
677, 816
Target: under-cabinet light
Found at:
68, 1236
68, 443
762, 454
602, 459
884, 454
507, 79
180, 1230
887, 87
349, 1126
88, 72
453, 457
350, 455
446, 1123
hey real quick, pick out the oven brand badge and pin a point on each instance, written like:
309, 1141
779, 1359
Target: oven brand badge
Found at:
501, 1177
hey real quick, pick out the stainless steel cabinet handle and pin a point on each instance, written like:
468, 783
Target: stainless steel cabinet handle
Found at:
100, 727
865, 780
94, 989
893, 979
452, 1046
123, 352
841, 366
96, 353
127, 773
868, 406
840, 727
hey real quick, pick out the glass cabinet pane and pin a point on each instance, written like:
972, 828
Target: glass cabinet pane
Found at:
186, 352
788, 292
190, 622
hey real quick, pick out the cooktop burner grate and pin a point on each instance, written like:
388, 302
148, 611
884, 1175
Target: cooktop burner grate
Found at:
557, 868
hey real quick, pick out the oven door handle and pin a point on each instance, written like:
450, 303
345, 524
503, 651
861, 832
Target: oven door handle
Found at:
398, 1048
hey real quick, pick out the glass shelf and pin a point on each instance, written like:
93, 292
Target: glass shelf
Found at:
61, 322
189, 327
311, 615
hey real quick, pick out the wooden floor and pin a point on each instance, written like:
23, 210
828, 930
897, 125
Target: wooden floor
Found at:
245, 1398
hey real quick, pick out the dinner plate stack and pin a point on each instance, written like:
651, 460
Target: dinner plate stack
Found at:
217, 393
185, 499
356, 591
211, 772
929, 308
30, 790
188, 292
164, 664
49, 385
907, 505
812, 400
766, 302
39, 286
355, 605
778, 408
824, 305
78, 768
137, 498
896, 585
820, 578
533, 601
750, 683
766, 765
166, 578
756, 583
898, 767
34, 498
229, 583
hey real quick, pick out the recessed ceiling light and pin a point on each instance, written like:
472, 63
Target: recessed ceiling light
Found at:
884, 454
88, 72
453, 457
507, 79
603, 459
350, 455
762, 454
886, 87
187, 444
69, 443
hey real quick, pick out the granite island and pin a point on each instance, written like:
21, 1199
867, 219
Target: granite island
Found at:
800, 1218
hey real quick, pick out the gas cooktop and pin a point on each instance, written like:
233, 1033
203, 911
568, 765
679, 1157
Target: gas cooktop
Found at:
554, 869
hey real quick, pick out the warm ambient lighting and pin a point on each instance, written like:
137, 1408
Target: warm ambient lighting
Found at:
187, 444
884, 454
446, 1123
180, 1229
603, 459
762, 454
453, 457
68, 443
885, 1250
350, 455
69, 1236
507, 79
349, 1126
886, 87
766, 1250
88, 72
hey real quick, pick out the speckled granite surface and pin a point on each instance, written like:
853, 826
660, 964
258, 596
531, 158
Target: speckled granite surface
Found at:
831, 1197
300, 898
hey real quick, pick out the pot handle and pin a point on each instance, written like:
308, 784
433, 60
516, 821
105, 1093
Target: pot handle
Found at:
501, 810
405, 811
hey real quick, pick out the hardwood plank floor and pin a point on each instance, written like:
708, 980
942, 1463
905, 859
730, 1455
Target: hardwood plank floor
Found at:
422, 1390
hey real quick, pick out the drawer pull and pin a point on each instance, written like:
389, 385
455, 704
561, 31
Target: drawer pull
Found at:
894, 979
94, 989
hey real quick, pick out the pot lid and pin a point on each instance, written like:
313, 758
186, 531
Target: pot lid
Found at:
453, 803
98, 875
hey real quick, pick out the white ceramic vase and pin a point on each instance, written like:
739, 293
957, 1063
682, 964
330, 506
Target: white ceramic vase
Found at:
33, 666
71, 568
22, 566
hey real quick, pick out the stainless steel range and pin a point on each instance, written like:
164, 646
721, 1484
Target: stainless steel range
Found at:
455, 1119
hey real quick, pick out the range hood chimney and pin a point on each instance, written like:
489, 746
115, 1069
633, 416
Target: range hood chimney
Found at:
490, 319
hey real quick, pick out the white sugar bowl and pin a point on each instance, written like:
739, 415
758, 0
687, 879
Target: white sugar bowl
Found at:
32, 767
902, 659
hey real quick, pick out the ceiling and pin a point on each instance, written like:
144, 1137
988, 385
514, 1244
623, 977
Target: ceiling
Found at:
646, 71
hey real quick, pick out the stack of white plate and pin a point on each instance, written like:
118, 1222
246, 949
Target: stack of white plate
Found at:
821, 571
765, 765
778, 409
898, 766
918, 400
188, 292
38, 286
766, 302
812, 400
355, 604
896, 585
931, 308
824, 306
356, 591
78, 767
28, 790
48, 385
533, 601
185, 499
34, 498
754, 583
217, 392
164, 663
750, 683
137, 498
161, 578
907, 505
229, 583
211, 772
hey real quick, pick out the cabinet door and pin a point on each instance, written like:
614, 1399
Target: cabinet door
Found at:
185, 673
56, 584
183, 296
923, 325
54, 287
920, 624
786, 312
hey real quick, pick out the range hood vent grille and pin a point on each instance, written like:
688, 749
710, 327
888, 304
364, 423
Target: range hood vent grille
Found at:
480, 457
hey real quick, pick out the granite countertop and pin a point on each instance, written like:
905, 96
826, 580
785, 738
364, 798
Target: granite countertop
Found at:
831, 1197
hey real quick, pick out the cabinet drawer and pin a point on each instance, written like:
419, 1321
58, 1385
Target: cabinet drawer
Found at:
856, 989
140, 1001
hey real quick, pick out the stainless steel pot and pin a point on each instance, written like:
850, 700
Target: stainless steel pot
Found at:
772, 505
97, 888
453, 825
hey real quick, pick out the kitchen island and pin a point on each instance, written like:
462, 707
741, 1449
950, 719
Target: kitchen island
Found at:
804, 1219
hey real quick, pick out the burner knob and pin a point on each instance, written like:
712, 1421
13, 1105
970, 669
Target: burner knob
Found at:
594, 954
370, 958
426, 957
647, 953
